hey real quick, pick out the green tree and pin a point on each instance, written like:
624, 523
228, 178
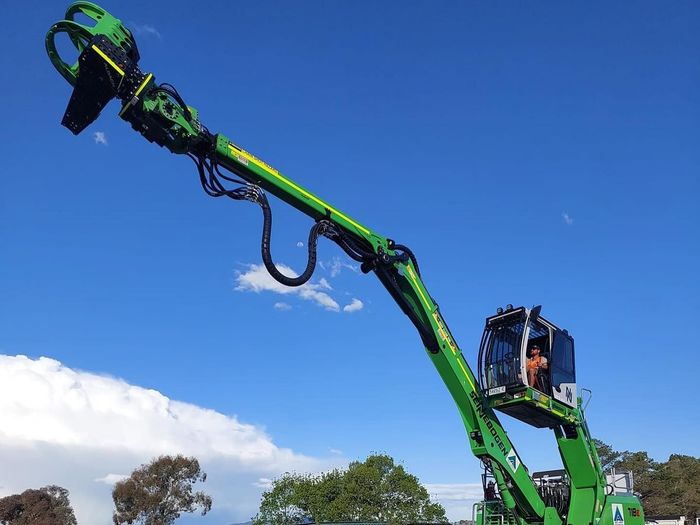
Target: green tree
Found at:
646, 480
158, 492
281, 504
671, 487
608, 456
376, 489
45, 506
675, 487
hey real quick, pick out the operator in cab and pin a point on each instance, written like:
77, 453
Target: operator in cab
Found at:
534, 363
490, 492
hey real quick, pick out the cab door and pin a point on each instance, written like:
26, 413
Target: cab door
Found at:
563, 369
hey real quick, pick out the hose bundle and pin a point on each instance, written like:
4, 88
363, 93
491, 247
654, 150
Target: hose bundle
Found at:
211, 176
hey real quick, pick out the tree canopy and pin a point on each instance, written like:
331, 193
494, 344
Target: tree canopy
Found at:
45, 506
665, 488
376, 489
158, 492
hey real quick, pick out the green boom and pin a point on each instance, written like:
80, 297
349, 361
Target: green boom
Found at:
107, 68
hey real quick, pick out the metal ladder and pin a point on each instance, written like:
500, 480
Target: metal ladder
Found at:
492, 513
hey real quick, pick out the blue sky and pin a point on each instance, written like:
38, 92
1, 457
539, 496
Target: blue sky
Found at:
528, 153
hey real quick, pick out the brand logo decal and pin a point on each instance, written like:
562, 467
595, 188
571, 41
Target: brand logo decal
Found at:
618, 514
481, 411
512, 459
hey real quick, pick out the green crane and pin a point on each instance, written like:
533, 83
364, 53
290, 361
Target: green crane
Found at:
537, 387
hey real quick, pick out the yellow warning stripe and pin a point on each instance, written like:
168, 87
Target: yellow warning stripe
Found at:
459, 362
420, 292
238, 152
109, 60
453, 347
143, 84
133, 99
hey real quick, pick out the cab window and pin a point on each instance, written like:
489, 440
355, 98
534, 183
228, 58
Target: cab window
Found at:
563, 370
502, 359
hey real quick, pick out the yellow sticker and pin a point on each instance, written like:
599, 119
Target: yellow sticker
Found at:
244, 157
442, 330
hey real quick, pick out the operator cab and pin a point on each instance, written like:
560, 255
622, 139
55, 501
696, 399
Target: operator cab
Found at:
524, 357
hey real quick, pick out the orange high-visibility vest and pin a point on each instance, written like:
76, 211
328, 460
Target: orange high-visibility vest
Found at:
534, 362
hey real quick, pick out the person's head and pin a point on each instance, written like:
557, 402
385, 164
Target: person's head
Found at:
535, 350
491, 484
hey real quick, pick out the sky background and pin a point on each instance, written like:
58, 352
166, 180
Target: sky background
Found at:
529, 153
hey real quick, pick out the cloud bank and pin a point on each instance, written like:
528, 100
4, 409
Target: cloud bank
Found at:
457, 498
85, 431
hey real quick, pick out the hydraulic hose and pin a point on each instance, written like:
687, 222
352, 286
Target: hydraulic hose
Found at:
407, 251
318, 229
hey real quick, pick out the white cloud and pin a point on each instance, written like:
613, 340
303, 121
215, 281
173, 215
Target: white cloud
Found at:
111, 479
336, 265
100, 137
568, 220
355, 306
455, 491
457, 498
145, 29
335, 451
263, 483
257, 280
76, 429
300, 244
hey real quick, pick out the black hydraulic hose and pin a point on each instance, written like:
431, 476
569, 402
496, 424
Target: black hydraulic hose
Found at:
350, 247
358, 249
208, 173
349, 251
170, 90
408, 252
388, 279
317, 230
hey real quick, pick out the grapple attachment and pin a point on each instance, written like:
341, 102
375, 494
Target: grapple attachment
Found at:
107, 53
81, 35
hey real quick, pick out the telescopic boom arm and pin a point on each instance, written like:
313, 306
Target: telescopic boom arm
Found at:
107, 68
